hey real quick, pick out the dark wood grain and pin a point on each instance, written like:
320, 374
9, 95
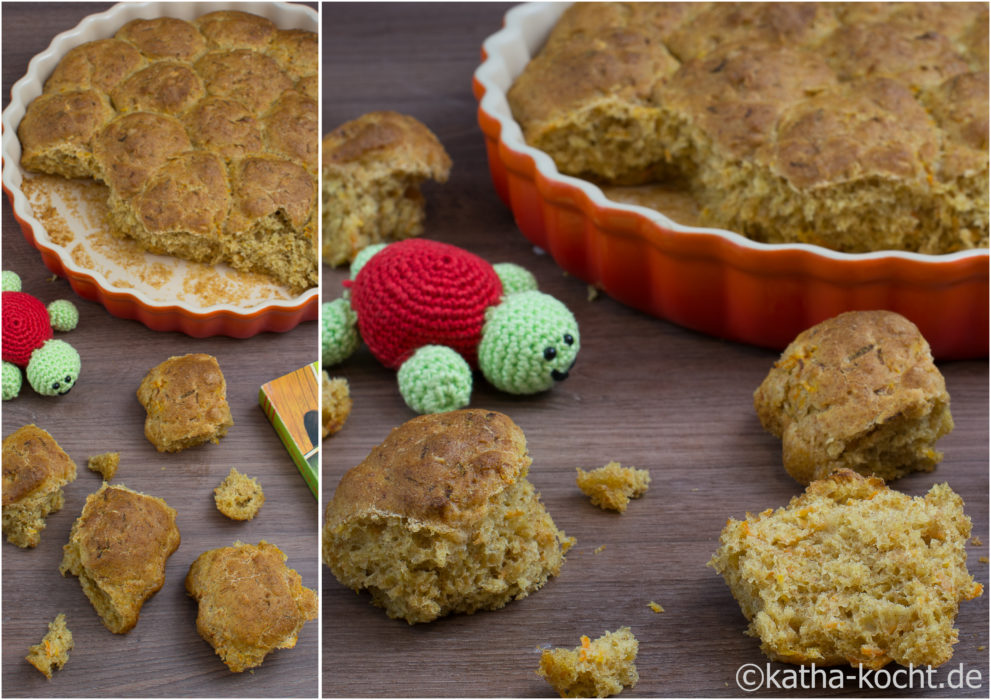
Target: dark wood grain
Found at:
163, 655
644, 392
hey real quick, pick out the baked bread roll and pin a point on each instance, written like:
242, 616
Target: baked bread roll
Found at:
35, 469
118, 548
372, 170
250, 602
204, 132
440, 519
858, 391
852, 572
823, 123
186, 401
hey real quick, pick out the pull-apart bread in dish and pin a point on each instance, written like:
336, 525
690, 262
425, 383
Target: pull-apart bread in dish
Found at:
857, 127
205, 133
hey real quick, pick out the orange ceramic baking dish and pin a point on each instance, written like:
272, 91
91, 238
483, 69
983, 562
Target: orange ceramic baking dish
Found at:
159, 314
710, 280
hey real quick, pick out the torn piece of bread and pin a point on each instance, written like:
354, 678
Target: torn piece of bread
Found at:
440, 518
611, 487
35, 469
53, 650
186, 400
104, 464
335, 404
858, 391
249, 602
598, 668
852, 572
118, 548
372, 170
239, 497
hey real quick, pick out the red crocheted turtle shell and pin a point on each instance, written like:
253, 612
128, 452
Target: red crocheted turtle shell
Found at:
26, 327
419, 292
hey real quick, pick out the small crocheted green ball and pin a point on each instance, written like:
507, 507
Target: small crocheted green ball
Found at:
54, 368
338, 332
514, 278
11, 281
529, 341
11, 380
435, 379
363, 256
63, 314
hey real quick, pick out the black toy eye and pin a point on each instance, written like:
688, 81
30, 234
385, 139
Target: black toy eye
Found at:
569, 339
550, 353
55, 385
68, 379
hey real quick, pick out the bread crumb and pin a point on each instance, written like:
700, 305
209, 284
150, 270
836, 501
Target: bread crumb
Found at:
655, 607
983, 560
593, 292
104, 464
53, 650
597, 668
335, 404
976, 541
599, 549
611, 487
239, 497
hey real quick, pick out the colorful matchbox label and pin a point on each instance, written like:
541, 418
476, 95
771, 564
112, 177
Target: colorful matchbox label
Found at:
292, 404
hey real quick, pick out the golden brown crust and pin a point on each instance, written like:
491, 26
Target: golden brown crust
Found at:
441, 468
118, 548
35, 468
296, 52
250, 602
264, 186
58, 129
244, 75
171, 87
225, 127
404, 141
858, 391
291, 129
97, 65
164, 37
135, 145
189, 194
186, 401
232, 29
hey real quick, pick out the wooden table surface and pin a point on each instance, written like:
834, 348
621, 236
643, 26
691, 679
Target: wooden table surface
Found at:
644, 392
163, 655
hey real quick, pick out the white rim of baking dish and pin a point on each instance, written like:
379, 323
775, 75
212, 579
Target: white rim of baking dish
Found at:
103, 25
507, 53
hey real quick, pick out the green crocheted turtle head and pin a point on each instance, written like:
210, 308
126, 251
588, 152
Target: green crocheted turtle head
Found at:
54, 368
529, 342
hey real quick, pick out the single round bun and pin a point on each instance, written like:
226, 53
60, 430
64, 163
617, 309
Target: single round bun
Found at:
858, 391
440, 519
249, 602
35, 469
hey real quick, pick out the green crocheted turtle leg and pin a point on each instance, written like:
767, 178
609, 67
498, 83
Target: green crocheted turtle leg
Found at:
12, 381
514, 278
338, 332
435, 379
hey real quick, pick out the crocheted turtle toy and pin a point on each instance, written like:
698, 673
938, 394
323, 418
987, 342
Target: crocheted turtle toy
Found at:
51, 366
435, 312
